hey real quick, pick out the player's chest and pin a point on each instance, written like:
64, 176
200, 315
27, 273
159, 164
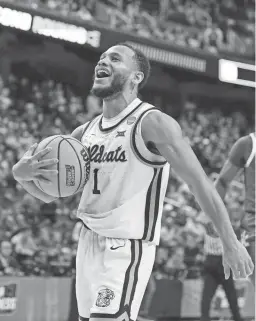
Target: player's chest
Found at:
108, 148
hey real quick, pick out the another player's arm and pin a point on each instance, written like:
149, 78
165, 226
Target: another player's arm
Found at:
234, 164
30, 186
165, 133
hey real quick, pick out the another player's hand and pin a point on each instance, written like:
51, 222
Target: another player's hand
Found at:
33, 168
238, 260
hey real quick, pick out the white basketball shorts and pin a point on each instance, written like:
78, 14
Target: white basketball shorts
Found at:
111, 275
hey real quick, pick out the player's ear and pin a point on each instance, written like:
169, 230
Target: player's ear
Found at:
138, 77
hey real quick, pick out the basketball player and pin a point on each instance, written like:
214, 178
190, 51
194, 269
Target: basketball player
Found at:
242, 159
131, 146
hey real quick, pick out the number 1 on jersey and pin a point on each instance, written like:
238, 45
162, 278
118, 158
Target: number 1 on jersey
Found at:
95, 188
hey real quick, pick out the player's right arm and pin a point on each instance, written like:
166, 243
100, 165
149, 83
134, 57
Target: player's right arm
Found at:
31, 167
234, 163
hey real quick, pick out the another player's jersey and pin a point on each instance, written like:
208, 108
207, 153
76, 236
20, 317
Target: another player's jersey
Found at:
249, 172
243, 156
125, 192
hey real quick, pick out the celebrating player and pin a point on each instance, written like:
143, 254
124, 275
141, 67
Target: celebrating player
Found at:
242, 159
131, 145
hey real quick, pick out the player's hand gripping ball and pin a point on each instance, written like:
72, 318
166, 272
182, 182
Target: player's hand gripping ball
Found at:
73, 166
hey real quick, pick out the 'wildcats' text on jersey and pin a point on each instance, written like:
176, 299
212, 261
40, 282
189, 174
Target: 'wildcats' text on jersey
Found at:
125, 192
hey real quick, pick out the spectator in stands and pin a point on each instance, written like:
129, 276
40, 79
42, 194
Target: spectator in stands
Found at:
25, 244
162, 255
175, 267
41, 264
213, 38
8, 263
192, 17
61, 266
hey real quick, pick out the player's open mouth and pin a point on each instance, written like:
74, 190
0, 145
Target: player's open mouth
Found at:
102, 74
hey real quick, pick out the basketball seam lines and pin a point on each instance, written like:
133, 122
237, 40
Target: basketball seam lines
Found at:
81, 172
58, 155
44, 148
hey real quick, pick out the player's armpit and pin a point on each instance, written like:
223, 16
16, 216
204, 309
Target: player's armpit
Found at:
165, 133
78, 132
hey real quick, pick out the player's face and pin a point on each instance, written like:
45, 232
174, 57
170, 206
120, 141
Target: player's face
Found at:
113, 71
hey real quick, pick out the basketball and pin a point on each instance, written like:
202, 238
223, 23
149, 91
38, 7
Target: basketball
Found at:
73, 166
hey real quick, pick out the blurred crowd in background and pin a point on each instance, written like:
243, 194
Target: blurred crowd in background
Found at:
225, 26
41, 239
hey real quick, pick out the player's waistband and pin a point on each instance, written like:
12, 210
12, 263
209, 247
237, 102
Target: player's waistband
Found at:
87, 227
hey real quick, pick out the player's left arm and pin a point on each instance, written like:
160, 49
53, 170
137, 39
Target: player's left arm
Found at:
165, 133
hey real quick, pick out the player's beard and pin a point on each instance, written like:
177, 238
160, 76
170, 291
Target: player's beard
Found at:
116, 86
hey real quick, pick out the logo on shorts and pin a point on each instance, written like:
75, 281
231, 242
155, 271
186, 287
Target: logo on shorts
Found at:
104, 298
70, 175
115, 247
118, 246
8, 298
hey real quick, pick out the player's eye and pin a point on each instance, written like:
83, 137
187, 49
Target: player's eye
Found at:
115, 59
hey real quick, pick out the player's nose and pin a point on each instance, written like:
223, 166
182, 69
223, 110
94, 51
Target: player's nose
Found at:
103, 62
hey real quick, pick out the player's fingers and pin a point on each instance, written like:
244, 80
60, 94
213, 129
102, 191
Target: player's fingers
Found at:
248, 269
47, 172
242, 271
31, 149
250, 265
236, 273
42, 179
40, 154
226, 270
46, 162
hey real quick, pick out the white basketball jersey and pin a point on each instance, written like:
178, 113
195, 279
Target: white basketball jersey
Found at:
125, 192
253, 152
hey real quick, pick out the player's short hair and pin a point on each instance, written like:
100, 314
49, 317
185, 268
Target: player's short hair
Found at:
141, 61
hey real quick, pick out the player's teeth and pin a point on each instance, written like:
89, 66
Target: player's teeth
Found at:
102, 73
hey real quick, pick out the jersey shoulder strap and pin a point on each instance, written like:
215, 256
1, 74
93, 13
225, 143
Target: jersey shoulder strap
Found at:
141, 151
253, 152
89, 124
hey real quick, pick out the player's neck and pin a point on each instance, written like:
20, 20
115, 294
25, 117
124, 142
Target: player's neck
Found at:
114, 106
